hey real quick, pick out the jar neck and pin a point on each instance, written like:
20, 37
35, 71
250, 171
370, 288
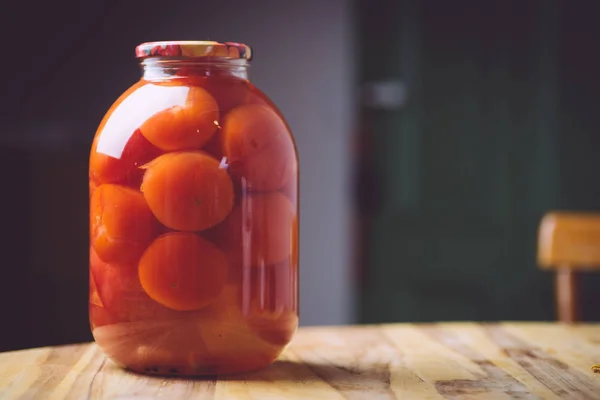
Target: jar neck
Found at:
162, 68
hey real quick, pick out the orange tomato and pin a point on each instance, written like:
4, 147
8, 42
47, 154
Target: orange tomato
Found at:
229, 91
231, 345
121, 223
183, 271
188, 191
125, 170
120, 294
277, 330
260, 230
184, 127
259, 147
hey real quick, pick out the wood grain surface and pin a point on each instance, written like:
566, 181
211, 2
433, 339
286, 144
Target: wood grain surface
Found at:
396, 361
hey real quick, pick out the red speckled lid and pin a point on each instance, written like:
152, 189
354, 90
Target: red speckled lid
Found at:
195, 49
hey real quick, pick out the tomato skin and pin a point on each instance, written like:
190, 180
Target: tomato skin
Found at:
121, 223
262, 226
185, 127
126, 169
188, 191
229, 91
232, 345
183, 271
259, 149
121, 296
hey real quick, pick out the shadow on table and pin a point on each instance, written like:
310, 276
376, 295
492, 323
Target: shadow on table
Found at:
343, 378
338, 376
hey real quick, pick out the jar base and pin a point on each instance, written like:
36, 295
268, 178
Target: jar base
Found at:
194, 373
143, 348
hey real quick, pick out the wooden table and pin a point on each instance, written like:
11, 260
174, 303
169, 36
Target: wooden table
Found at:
453, 361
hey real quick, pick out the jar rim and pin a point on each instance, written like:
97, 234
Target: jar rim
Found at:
194, 49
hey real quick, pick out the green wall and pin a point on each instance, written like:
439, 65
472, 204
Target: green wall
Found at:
492, 134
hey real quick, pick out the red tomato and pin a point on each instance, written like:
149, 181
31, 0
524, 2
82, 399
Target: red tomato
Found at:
183, 271
259, 148
125, 170
186, 127
188, 191
260, 230
121, 293
121, 224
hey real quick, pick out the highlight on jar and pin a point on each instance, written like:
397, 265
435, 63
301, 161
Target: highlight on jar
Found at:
193, 180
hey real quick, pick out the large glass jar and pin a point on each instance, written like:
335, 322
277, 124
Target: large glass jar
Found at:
193, 217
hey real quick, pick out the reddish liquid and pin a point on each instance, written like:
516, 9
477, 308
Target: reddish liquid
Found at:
194, 228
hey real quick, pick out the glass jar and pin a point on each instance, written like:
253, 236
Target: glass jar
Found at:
193, 217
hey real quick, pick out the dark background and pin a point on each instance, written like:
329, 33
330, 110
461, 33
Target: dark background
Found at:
432, 137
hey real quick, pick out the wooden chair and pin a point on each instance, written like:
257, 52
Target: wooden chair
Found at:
569, 242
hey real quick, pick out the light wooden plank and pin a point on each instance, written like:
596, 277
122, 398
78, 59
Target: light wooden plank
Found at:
406, 385
560, 342
429, 359
495, 382
40, 378
590, 333
78, 379
436, 361
354, 361
19, 370
114, 383
288, 378
561, 378
477, 339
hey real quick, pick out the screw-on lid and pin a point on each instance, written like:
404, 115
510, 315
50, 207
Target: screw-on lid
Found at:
194, 49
